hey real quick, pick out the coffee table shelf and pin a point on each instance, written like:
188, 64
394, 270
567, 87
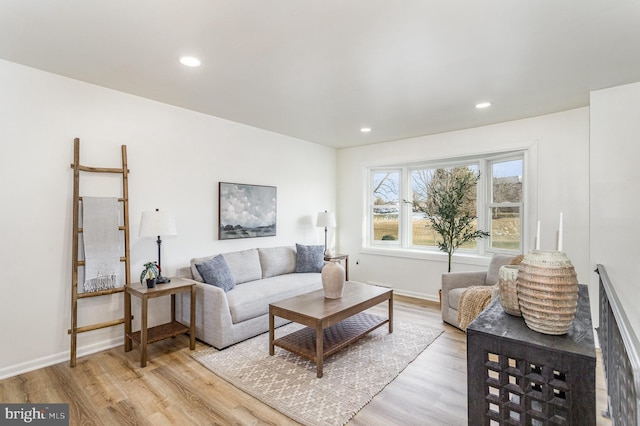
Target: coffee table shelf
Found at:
336, 337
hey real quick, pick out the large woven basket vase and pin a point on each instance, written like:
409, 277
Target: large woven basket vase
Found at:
547, 291
507, 284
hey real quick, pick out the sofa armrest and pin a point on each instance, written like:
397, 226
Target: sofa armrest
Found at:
212, 313
453, 280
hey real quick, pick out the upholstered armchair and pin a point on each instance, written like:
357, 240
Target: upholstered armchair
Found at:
455, 283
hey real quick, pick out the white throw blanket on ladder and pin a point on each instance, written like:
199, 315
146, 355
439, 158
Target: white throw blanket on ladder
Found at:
102, 248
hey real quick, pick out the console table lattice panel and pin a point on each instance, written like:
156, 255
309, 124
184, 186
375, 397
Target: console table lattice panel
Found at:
521, 392
517, 376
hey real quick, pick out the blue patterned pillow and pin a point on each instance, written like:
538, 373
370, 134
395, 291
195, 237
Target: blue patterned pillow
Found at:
309, 258
216, 272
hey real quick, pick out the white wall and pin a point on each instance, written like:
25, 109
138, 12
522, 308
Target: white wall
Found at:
176, 158
615, 201
559, 183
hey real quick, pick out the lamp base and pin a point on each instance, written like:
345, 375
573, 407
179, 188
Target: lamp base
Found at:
163, 280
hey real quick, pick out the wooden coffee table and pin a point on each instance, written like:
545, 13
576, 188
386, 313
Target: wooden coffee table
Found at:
331, 324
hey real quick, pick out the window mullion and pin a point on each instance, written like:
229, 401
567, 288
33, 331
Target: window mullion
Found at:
481, 200
405, 209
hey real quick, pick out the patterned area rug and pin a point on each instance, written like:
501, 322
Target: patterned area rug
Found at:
351, 377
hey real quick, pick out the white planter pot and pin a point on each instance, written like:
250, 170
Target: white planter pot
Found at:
333, 278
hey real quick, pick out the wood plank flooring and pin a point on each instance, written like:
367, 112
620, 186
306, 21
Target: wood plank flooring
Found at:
110, 388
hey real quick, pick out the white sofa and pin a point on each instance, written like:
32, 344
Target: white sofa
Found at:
260, 276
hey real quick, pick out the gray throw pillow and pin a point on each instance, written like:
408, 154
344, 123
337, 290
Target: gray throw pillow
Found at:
216, 272
309, 258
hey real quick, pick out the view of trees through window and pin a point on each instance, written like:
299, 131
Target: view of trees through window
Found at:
422, 232
398, 193
505, 205
386, 205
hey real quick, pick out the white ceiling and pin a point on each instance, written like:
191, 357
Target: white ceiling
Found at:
320, 70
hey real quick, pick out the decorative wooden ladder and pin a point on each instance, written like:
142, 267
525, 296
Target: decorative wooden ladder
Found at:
77, 230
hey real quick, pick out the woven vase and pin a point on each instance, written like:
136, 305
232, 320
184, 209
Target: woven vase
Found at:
507, 284
547, 289
333, 278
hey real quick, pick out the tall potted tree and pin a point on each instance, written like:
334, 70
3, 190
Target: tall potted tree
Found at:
450, 207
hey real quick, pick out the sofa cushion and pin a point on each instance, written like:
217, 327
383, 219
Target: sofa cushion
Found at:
251, 300
216, 272
309, 258
493, 273
277, 261
244, 265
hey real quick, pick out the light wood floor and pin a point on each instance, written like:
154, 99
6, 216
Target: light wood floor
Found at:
110, 388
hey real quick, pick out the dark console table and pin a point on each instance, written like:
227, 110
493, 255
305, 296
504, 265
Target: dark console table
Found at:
517, 376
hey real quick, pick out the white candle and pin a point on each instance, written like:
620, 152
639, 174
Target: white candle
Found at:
538, 237
560, 234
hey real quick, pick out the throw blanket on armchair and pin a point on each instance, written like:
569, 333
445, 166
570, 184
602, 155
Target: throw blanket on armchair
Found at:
473, 301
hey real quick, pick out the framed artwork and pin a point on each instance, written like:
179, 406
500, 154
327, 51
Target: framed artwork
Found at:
246, 211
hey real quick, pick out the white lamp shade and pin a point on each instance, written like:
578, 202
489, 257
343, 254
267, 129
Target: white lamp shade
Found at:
326, 220
157, 223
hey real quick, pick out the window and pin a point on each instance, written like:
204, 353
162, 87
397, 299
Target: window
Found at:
505, 204
422, 234
398, 195
385, 206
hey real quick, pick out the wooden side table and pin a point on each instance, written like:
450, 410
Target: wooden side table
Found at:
341, 257
173, 328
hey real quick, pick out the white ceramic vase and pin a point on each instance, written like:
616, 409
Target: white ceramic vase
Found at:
508, 290
333, 278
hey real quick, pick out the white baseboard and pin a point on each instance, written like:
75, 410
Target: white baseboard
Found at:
415, 295
46, 361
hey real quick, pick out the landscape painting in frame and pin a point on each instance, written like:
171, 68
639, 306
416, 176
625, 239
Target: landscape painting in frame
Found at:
246, 211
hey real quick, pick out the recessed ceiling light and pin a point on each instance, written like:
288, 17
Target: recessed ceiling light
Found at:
365, 129
483, 105
190, 61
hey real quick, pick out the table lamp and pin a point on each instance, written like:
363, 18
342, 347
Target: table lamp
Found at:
157, 223
326, 220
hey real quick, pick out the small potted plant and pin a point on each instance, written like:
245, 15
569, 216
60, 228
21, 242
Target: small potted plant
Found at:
150, 271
